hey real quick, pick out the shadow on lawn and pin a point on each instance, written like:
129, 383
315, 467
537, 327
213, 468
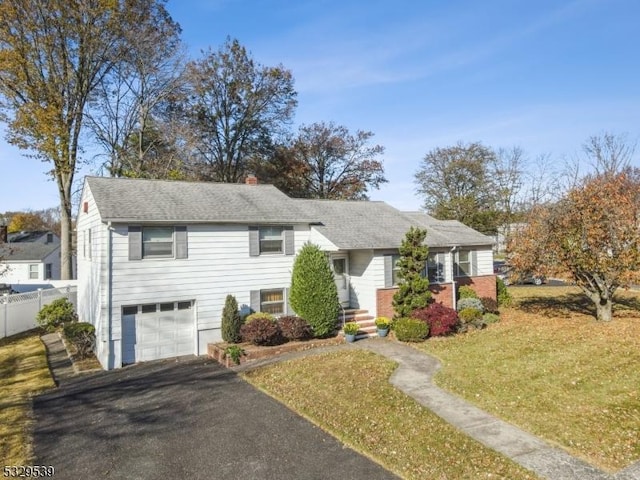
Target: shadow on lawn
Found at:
577, 303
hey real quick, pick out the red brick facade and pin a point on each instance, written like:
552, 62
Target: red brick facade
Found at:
484, 286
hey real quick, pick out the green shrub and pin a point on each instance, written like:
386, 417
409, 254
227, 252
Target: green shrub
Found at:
55, 314
82, 336
413, 290
504, 297
261, 331
468, 302
469, 315
313, 293
295, 328
490, 318
466, 291
490, 305
231, 321
234, 352
259, 315
410, 330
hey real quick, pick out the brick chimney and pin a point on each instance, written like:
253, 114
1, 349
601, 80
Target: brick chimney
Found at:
251, 179
3, 234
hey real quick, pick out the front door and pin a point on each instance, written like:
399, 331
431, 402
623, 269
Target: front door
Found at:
340, 267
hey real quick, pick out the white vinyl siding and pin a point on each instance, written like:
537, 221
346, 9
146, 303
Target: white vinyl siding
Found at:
219, 264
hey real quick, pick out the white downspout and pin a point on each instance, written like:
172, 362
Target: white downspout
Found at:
452, 273
111, 356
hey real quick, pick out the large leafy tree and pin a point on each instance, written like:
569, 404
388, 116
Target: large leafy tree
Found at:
235, 110
326, 160
53, 56
457, 184
130, 114
413, 291
591, 237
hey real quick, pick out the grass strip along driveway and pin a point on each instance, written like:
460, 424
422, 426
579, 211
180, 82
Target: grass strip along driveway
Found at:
348, 394
556, 372
23, 373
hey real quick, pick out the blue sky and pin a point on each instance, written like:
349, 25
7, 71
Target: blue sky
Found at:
542, 75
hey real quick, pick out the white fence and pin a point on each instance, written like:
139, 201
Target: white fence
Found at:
18, 312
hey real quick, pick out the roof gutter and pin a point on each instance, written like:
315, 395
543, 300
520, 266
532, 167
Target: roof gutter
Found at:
110, 294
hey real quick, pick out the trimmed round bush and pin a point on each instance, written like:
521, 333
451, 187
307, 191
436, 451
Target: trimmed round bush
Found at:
261, 331
313, 294
295, 328
464, 303
55, 314
469, 315
410, 330
466, 291
83, 337
442, 320
489, 318
490, 305
259, 315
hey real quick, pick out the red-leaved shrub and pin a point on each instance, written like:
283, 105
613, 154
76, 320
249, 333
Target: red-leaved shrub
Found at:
490, 305
261, 331
441, 320
295, 328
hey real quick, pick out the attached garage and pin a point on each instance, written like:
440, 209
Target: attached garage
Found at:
157, 330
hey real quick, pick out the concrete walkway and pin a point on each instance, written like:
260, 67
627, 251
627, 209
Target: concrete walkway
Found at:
414, 376
59, 362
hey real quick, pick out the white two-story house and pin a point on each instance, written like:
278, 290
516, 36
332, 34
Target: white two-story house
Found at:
156, 259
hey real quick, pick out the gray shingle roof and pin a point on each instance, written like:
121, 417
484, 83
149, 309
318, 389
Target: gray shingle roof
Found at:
28, 251
135, 200
347, 224
365, 224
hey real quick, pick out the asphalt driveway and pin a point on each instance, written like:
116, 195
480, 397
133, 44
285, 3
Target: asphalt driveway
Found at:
183, 419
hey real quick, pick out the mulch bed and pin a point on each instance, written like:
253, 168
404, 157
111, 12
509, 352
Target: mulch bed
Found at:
255, 352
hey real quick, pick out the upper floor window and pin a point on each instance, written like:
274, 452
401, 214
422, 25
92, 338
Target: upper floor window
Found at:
157, 242
271, 240
48, 271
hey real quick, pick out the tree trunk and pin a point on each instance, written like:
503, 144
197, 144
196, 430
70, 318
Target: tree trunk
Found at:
604, 309
66, 227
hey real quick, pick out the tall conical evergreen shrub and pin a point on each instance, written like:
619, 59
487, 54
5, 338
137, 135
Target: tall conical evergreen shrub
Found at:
313, 294
413, 291
231, 321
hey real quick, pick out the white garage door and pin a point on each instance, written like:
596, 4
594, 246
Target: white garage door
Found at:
156, 331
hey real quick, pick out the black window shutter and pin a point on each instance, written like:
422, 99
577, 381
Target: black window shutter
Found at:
182, 249
254, 241
289, 245
135, 243
388, 271
254, 300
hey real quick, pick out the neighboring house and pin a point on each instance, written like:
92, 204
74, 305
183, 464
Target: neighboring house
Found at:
156, 259
30, 257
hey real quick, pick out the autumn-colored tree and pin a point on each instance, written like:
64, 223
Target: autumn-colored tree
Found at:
591, 237
235, 108
53, 55
26, 221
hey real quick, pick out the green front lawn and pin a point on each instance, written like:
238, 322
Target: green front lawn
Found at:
23, 373
551, 369
348, 394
